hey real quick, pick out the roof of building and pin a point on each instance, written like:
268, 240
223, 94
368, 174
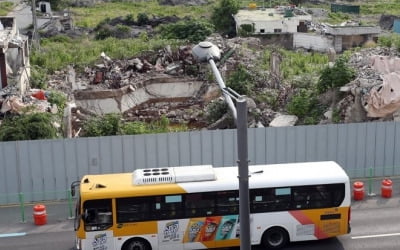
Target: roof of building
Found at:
271, 14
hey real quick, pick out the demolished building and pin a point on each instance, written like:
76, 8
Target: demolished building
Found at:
14, 57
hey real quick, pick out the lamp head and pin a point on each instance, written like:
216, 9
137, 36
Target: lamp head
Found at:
205, 51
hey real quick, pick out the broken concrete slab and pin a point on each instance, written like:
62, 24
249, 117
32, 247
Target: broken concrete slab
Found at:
163, 89
284, 121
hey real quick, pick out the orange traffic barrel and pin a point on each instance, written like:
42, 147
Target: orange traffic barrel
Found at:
39, 214
386, 188
358, 190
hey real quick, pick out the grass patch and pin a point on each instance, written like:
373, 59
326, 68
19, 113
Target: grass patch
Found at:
378, 8
299, 63
57, 53
5, 8
337, 18
89, 17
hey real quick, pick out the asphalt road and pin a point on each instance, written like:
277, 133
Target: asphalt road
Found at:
374, 227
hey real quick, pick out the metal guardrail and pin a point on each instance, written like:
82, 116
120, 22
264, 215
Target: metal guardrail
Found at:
23, 203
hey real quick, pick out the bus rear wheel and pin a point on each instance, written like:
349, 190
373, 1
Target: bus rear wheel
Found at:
136, 244
275, 238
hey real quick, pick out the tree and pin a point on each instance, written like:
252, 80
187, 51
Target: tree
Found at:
222, 17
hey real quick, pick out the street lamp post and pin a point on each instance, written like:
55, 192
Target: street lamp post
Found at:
207, 52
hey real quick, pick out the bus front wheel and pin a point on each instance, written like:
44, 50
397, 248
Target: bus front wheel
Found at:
136, 244
275, 238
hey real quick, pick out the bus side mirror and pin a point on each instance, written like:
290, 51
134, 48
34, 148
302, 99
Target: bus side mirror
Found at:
73, 185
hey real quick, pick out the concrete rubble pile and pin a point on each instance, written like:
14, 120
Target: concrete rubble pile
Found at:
141, 90
375, 93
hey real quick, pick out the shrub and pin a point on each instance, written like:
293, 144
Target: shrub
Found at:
104, 32
240, 80
215, 110
33, 126
336, 76
160, 126
142, 19
58, 98
246, 30
106, 125
134, 128
385, 41
192, 30
130, 19
39, 77
305, 106
270, 97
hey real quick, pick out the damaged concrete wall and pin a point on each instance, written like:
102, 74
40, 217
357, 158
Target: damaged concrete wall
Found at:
312, 41
349, 42
14, 57
38, 168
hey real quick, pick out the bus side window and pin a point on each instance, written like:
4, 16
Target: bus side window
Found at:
282, 198
191, 208
227, 202
263, 200
199, 204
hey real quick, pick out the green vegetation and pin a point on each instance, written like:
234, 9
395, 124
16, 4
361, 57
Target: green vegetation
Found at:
336, 76
336, 115
5, 8
56, 53
215, 110
270, 97
246, 30
240, 80
392, 40
222, 16
263, 3
30, 126
192, 30
305, 106
57, 98
337, 17
296, 63
108, 124
389, 7
38, 77
111, 124
142, 19
89, 17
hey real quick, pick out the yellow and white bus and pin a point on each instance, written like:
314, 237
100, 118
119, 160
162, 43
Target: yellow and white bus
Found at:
197, 207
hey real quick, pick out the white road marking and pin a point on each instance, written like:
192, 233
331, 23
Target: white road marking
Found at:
375, 236
12, 235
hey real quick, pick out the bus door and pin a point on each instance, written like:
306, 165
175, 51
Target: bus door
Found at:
97, 219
